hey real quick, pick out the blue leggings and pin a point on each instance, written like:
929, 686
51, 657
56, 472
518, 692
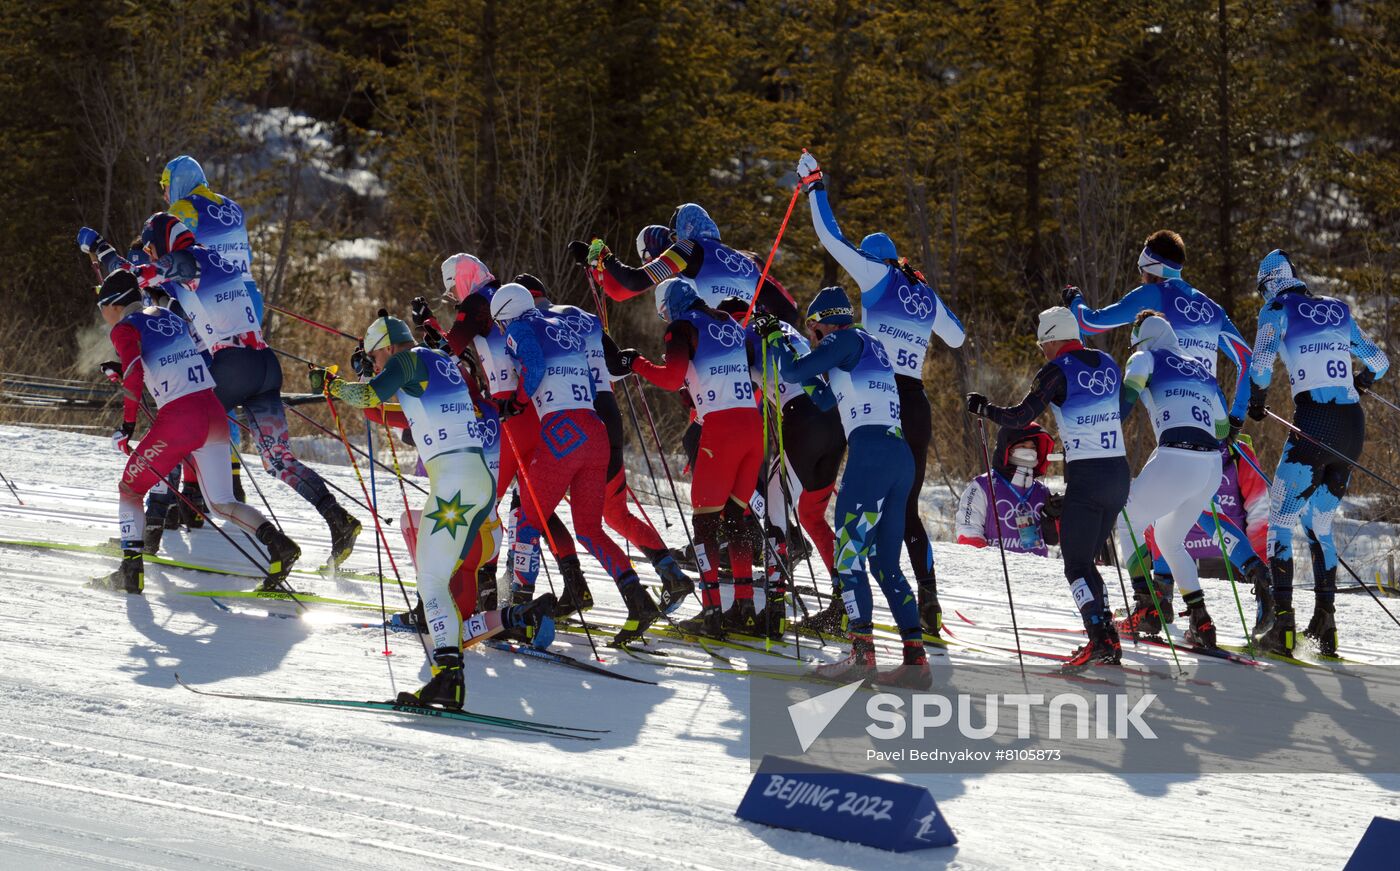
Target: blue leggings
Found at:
870, 504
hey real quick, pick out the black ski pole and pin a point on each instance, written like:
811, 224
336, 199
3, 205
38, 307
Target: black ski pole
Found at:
1331, 450
1006, 572
12, 488
1367, 588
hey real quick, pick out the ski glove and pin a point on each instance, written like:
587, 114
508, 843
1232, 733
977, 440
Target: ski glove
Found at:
808, 172
1363, 379
1070, 295
1236, 425
89, 240
768, 327
1054, 506
622, 363
121, 439
1258, 399
421, 312
320, 378
360, 363
509, 407
977, 404
578, 252
597, 250
113, 370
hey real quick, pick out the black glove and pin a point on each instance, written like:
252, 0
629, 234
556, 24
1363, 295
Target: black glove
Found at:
1258, 399
977, 404
319, 378
1235, 426
1054, 506
433, 339
421, 312
1363, 379
113, 370
767, 326
578, 252
128, 428
622, 363
360, 363
508, 407
1069, 295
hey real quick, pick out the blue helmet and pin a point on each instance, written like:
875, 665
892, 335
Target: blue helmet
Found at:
181, 176
652, 241
879, 246
831, 306
1276, 275
692, 222
674, 297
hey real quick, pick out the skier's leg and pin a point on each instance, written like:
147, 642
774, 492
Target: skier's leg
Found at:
897, 472
811, 513
459, 496
916, 421
1196, 477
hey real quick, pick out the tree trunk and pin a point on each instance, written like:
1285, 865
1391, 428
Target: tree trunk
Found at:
1224, 235
486, 136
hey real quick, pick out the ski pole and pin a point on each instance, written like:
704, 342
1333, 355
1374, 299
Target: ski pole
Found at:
378, 557
328, 431
763, 277
1331, 450
306, 320
1117, 567
1006, 572
1152, 590
1230, 573
12, 488
1381, 399
1368, 590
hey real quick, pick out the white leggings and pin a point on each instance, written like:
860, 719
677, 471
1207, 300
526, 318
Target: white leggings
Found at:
461, 493
1169, 494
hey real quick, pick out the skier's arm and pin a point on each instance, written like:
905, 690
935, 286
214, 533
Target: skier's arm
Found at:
972, 513
946, 325
1266, 343
473, 320
1118, 314
127, 340
681, 340
528, 355
1049, 387
1136, 376
401, 369
1232, 342
1370, 354
621, 281
176, 266
866, 272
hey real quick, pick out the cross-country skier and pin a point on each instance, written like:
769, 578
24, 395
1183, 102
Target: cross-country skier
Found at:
433, 395
706, 353
246, 372
552, 366
1081, 386
1200, 324
874, 487
469, 285
1316, 337
1188, 417
1242, 503
155, 347
616, 513
900, 309
1026, 516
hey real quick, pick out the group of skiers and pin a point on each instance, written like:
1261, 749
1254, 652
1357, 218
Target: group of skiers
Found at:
520, 390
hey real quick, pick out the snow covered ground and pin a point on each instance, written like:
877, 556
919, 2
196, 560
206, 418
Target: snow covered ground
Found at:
106, 763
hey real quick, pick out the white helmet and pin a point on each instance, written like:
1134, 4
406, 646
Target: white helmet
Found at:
463, 275
1057, 324
510, 301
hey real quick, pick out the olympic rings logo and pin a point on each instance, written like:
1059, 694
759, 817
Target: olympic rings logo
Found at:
581, 323
729, 335
1099, 382
920, 305
734, 261
1194, 310
447, 369
1189, 367
1323, 313
880, 354
487, 430
167, 326
563, 337
227, 214
228, 267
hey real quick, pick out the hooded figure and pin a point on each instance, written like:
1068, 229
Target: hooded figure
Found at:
1026, 519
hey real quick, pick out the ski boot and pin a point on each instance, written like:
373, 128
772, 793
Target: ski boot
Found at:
533, 620
1201, 632
641, 610
282, 554
709, 623
191, 509
914, 674
675, 584
930, 612
1281, 635
1145, 621
446, 689
344, 530
1257, 574
858, 665
151, 536
577, 597
1322, 628
741, 618
130, 577
772, 620
415, 619
827, 621
1103, 647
